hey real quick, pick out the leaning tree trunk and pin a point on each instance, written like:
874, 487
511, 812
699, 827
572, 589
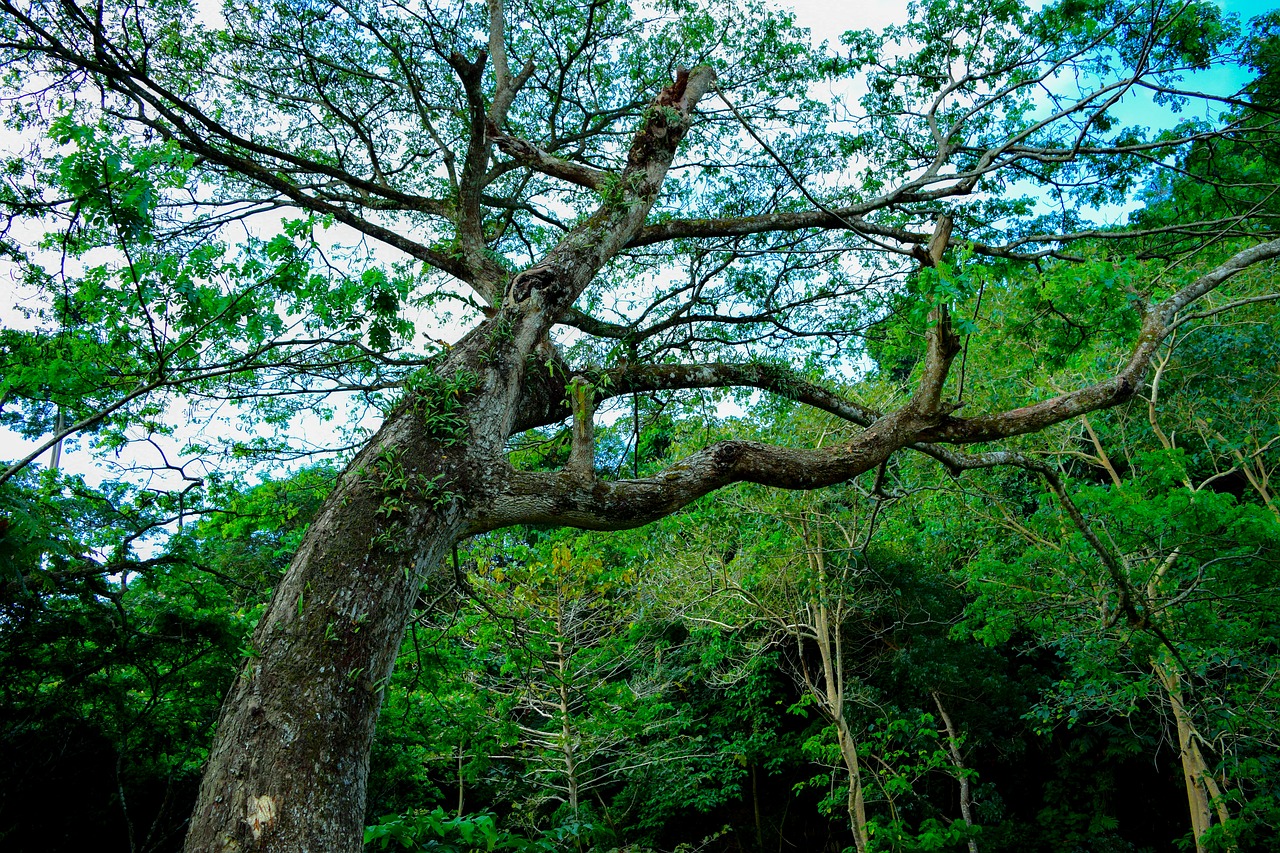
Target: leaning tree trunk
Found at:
289, 765
288, 768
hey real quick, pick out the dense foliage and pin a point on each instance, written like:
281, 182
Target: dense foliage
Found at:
654, 689
1034, 607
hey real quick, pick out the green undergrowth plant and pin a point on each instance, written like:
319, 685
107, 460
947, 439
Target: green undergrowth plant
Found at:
435, 831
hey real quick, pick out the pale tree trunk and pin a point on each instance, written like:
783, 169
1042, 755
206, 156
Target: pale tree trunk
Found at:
1204, 797
827, 629
857, 809
462, 784
1203, 794
567, 732
957, 760
570, 755
55, 456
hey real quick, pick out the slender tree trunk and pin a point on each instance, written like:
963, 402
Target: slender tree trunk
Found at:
857, 808
55, 456
567, 732
953, 750
462, 790
827, 630
1204, 797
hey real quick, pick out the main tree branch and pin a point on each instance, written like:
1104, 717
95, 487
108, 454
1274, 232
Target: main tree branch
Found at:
1158, 322
943, 342
564, 498
568, 269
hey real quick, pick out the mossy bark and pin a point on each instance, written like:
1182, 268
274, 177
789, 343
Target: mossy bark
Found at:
288, 769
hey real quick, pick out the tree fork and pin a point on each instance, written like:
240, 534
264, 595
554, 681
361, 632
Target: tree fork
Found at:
290, 760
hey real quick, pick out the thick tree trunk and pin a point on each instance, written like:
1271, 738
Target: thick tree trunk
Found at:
287, 771
288, 768
289, 765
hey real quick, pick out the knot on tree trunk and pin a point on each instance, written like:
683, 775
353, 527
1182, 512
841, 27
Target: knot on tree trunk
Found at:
535, 278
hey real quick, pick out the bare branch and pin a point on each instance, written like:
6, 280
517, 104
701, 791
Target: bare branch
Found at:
506, 88
535, 158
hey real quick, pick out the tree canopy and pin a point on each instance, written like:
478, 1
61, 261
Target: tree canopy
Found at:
238, 236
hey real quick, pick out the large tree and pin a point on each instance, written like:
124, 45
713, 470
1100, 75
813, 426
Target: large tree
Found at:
628, 200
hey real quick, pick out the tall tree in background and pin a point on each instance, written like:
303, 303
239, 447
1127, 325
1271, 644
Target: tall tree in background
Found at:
626, 200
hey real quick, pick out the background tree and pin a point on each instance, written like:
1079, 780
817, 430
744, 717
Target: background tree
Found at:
111, 662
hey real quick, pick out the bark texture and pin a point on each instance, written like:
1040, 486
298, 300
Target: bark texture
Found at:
288, 767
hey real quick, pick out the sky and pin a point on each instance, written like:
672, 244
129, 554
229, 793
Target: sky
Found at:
828, 19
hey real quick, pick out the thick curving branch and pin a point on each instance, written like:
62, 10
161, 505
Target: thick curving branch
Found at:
543, 403
564, 498
1158, 322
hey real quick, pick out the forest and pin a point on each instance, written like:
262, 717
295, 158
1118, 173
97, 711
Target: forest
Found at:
639, 427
